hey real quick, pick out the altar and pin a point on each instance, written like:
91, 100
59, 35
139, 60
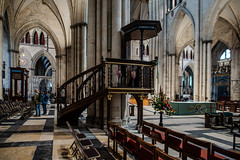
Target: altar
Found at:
193, 108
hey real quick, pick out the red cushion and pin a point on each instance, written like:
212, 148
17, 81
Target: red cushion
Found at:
204, 153
158, 135
174, 142
218, 157
146, 130
130, 145
119, 137
145, 154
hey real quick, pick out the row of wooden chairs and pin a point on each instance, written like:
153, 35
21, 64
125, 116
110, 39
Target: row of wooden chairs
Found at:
187, 146
81, 146
134, 145
231, 106
9, 109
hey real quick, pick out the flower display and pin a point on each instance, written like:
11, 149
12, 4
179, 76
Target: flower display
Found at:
161, 104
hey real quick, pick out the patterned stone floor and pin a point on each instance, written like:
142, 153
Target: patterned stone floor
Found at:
39, 138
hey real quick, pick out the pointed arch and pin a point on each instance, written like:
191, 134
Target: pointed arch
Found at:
42, 39
175, 24
35, 38
37, 24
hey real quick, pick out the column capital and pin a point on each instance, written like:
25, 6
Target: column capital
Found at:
81, 24
13, 51
207, 41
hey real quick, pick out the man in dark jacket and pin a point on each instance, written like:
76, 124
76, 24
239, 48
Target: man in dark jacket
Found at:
37, 103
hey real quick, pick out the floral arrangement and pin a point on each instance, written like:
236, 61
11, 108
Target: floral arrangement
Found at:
160, 104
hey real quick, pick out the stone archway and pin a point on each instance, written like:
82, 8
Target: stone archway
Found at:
37, 79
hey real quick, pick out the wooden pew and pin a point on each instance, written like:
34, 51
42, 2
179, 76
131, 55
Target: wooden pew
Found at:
119, 139
195, 148
158, 134
174, 140
111, 132
225, 154
145, 151
160, 155
129, 144
146, 129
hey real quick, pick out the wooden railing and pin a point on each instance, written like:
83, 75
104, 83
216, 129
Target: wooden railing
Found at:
122, 76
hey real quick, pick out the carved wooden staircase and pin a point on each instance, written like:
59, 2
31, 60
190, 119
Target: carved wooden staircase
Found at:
113, 76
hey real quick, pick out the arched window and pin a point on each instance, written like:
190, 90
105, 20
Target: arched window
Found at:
22, 41
186, 54
35, 38
42, 40
191, 55
183, 53
27, 37
225, 55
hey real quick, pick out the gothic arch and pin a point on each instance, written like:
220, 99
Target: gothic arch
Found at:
213, 12
34, 24
190, 43
41, 53
176, 21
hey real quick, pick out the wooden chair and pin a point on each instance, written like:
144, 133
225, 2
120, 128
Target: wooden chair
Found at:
146, 129
225, 154
195, 148
160, 155
119, 138
174, 140
111, 132
82, 147
158, 134
130, 144
145, 151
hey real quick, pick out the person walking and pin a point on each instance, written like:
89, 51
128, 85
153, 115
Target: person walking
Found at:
44, 102
37, 103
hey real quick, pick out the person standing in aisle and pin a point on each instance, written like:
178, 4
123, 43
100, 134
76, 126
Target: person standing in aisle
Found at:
37, 103
45, 98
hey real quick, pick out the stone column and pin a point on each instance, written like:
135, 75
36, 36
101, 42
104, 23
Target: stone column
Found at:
84, 47
104, 29
165, 47
204, 72
54, 80
235, 73
125, 21
116, 103
1, 57
91, 34
116, 28
196, 53
201, 71
209, 70
169, 76
31, 39
14, 57
173, 77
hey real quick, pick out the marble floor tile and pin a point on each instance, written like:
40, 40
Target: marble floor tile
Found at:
24, 137
31, 127
35, 122
62, 135
17, 153
3, 128
45, 136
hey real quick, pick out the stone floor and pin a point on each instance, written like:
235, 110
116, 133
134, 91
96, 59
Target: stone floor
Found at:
39, 137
